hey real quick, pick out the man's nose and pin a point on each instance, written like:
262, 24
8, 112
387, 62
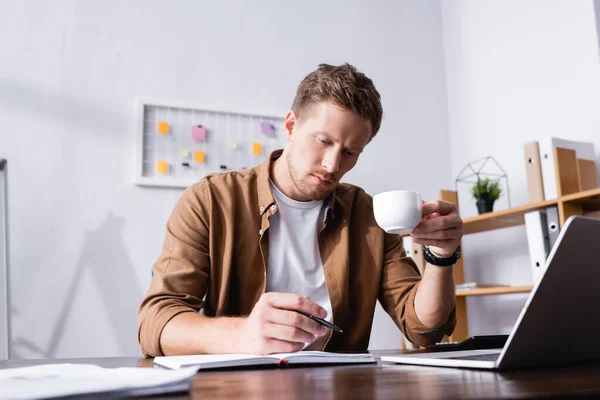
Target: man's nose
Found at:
331, 161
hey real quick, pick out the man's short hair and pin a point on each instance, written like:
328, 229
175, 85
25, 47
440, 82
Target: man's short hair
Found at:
344, 86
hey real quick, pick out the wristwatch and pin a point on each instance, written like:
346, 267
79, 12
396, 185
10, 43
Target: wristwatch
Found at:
440, 262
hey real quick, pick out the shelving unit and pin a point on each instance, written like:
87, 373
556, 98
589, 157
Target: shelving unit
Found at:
495, 290
569, 202
503, 219
572, 204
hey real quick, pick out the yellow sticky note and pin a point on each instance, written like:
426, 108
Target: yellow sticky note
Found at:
233, 145
185, 153
199, 156
162, 167
163, 128
256, 148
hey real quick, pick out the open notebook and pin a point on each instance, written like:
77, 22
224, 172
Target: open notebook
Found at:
209, 361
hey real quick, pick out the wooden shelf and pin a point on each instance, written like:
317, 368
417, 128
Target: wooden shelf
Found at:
589, 200
495, 290
593, 194
503, 218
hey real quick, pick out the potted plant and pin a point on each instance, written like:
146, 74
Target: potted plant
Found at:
486, 192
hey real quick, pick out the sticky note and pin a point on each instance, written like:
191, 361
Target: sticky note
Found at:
199, 133
233, 145
267, 129
163, 128
185, 153
199, 156
256, 148
162, 167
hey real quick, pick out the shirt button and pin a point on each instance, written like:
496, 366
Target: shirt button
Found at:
273, 208
260, 232
262, 209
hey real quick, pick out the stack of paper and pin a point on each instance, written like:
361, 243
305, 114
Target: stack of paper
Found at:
60, 380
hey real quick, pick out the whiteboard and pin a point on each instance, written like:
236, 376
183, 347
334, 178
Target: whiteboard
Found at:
180, 143
4, 284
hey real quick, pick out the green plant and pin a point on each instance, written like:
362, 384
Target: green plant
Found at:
486, 189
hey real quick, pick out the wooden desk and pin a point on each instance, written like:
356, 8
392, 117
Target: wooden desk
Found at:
373, 381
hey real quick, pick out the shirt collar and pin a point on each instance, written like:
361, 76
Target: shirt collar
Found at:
265, 196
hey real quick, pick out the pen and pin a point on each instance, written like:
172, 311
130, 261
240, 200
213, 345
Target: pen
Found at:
322, 322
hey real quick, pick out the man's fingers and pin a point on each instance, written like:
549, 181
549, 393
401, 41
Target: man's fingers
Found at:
296, 320
295, 302
439, 206
437, 224
287, 333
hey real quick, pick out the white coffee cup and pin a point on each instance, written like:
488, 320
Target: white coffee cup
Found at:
397, 211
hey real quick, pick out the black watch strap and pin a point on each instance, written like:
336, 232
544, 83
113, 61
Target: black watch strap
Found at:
441, 262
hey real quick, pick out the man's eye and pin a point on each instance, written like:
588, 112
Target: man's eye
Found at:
324, 141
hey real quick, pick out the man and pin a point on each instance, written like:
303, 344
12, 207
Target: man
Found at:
250, 249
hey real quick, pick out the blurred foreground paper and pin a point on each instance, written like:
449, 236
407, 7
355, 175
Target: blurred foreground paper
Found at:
59, 380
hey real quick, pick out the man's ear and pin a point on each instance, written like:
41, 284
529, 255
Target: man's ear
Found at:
288, 125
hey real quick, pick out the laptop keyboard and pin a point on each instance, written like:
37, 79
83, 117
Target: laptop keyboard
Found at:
478, 357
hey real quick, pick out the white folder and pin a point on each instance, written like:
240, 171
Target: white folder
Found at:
553, 225
414, 251
408, 245
4, 275
538, 241
583, 150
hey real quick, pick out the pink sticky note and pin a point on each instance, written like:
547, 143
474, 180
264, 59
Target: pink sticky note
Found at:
199, 133
267, 129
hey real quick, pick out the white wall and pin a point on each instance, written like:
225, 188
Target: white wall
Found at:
4, 298
83, 238
597, 9
516, 72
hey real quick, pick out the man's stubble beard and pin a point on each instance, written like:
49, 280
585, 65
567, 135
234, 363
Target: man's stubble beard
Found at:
303, 187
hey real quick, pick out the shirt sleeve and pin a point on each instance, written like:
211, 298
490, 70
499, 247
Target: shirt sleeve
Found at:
399, 285
180, 275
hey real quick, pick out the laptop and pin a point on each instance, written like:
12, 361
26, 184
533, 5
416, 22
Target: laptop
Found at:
560, 321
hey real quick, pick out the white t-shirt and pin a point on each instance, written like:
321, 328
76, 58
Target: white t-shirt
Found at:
295, 264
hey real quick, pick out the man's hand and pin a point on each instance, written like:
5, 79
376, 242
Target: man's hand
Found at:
274, 326
440, 228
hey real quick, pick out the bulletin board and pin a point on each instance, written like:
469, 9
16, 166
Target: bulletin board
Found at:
179, 143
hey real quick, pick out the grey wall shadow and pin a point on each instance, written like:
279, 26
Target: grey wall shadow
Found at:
105, 256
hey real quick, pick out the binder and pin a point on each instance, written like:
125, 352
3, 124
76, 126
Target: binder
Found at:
407, 243
415, 251
565, 164
553, 226
538, 242
533, 170
583, 150
586, 172
5, 327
